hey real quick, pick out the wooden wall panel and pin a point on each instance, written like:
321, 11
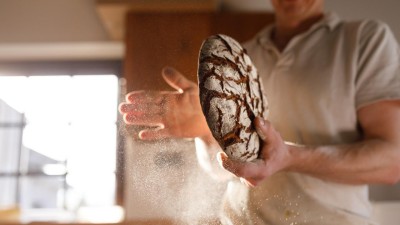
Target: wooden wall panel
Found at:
241, 26
157, 39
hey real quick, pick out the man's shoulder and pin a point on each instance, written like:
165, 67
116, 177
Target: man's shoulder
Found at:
367, 25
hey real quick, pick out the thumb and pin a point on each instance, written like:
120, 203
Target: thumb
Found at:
176, 80
262, 127
154, 134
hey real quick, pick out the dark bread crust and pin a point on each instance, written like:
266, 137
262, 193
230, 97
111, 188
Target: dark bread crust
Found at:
231, 96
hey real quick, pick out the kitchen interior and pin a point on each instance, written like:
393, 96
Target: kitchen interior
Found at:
65, 65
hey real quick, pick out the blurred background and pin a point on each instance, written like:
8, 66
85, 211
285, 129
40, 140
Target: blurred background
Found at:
65, 65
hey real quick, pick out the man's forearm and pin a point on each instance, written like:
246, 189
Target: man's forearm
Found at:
365, 162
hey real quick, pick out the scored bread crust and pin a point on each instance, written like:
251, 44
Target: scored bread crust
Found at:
231, 96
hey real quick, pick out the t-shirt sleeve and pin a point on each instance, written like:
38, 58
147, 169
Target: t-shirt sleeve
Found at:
378, 64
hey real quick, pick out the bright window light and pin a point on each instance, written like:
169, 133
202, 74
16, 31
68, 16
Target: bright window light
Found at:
69, 127
13, 91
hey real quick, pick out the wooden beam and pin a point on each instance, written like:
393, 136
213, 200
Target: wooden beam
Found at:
113, 12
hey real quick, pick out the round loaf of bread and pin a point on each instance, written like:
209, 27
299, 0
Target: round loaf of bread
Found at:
231, 96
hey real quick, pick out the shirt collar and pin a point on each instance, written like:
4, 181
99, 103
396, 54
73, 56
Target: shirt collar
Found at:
330, 20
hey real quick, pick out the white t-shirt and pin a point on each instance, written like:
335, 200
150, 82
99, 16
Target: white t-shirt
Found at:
314, 89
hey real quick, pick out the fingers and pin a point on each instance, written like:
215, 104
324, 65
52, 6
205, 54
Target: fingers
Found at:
145, 97
142, 114
251, 171
159, 108
262, 127
146, 106
154, 134
176, 80
143, 120
138, 110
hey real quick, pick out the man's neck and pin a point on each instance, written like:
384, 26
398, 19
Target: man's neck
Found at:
286, 29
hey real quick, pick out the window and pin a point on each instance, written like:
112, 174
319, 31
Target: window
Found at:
58, 141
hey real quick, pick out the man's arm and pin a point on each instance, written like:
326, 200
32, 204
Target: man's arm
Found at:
375, 159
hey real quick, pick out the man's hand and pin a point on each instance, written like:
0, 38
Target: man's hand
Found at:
275, 156
373, 159
177, 114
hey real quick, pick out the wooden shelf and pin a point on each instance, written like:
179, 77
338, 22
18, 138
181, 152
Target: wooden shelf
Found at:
113, 12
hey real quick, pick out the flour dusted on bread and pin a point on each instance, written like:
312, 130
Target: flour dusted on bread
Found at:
231, 96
